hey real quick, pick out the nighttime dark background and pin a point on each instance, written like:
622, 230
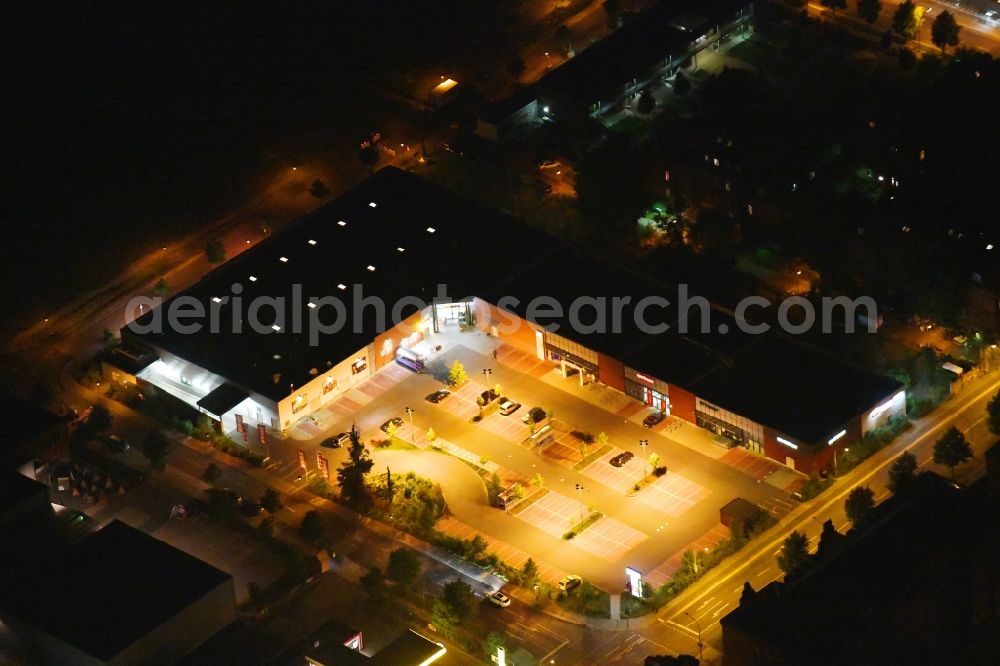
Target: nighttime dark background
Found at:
126, 123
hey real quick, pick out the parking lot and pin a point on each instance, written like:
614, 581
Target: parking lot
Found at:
556, 514
631, 531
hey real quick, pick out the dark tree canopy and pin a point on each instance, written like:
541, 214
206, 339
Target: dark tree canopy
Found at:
902, 474
794, 552
952, 449
869, 9
859, 505
944, 31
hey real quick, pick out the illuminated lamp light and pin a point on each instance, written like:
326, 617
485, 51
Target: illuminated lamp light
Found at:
836, 437
784, 441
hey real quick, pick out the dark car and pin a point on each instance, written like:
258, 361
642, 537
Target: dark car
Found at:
622, 458
117, 444
395, 422
231, 495
438, 396
653, 419
250, 508
534, 415
336, 441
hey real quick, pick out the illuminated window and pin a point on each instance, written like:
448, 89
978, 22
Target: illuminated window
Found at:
276, 327
359, 365
311, 305
253, 278
299, 403
372, 204
312, 242
341, 223
342, 287
216, 299
283, 260
431, 230
371, 268
400, 249
329, 384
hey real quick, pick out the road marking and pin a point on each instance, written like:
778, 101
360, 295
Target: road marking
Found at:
763, 571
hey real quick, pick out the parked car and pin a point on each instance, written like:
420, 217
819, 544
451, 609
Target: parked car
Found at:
337, 440
117, 444
395, 422
231, 495
653, 419
498, 598
508, 407
622, 458
926, 325
534, 415
569, 582
438, 396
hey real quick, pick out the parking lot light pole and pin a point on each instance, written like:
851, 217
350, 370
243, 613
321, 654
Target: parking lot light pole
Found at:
486, 373
643, 443
579, 493
697, 624
413, 436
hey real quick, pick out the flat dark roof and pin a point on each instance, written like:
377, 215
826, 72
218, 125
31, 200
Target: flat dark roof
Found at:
107, 591
669, 28
802, 391
409, 649
26, 420
471, 246
782, 383
16, 489
222, 398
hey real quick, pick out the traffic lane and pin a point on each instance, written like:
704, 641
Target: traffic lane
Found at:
526, 628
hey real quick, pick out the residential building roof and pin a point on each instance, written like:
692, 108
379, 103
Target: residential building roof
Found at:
105, 592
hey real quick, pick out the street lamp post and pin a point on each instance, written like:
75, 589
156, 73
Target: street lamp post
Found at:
579, 493
695, 552
413, 435
835, 472
643, 443
487, 372
698, 625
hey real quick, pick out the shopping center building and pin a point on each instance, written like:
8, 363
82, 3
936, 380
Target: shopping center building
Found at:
264, 364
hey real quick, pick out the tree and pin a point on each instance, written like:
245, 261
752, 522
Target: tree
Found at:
373, 582
564, 36
904, 21
155, 448
494, 487
611, 192
902, 474
859, 505
215, 252
494, 640
100, 419
516, 67
311, 528
211, 474
517, 492
602, 439
352, 472
944, 31
538, 480
270, 501
952, 449
834, 5
319, 189
403, 567
529, 572
161, 288
993, 414
681, 84
794, 552
368, 152
646, 104
459, 598
869, 9
110, 338
583, 450
655, 461
456, 374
